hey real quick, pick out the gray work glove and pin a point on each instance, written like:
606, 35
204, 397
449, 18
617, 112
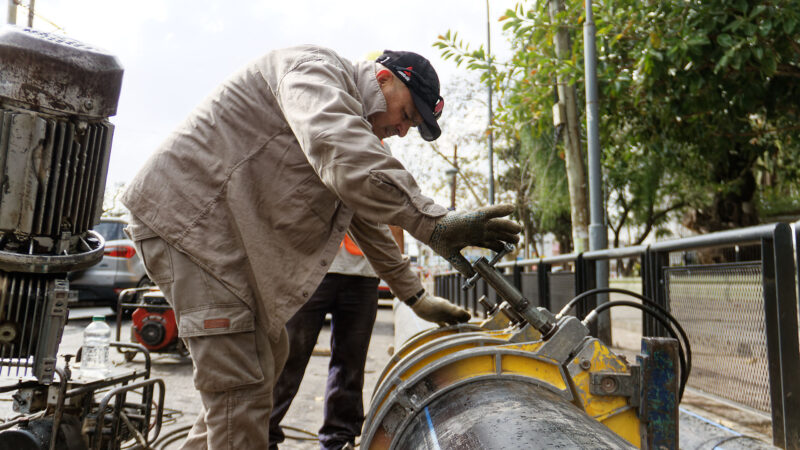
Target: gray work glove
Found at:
481, 227
439, 310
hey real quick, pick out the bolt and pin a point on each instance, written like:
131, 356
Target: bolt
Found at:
608, 385
585, 364
88, 105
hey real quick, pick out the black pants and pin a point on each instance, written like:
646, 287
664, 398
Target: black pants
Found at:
352, 302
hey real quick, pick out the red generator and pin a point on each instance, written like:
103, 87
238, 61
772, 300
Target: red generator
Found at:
154, 325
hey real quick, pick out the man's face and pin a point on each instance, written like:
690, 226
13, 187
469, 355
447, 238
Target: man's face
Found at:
401, 113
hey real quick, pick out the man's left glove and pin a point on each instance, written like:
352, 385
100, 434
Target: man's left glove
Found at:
436, 309
483, 227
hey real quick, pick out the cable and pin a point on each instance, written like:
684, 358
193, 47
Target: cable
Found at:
686, 344
171, 436
173, 439
733, 438
311, 436
595, 291
656, 314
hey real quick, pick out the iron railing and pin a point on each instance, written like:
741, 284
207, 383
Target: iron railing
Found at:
766, 286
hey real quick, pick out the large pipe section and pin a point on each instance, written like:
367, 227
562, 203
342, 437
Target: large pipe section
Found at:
522, 378
493, 385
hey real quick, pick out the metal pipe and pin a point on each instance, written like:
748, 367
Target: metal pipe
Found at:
598, 236
500, 414
525, 308
12, 12
491, 113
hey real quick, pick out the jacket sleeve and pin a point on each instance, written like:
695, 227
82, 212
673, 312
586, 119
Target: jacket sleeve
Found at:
383, 254
320, 102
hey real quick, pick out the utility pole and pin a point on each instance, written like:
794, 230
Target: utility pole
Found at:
30, 13
567, 102
12, 12
598, 236
491, 113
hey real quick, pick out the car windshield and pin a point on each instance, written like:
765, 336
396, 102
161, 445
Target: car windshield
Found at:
110, 230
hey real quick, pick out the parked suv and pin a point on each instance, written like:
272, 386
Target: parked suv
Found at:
121, 268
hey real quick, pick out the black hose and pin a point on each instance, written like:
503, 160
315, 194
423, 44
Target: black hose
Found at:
162, 440
656, 314
686, 344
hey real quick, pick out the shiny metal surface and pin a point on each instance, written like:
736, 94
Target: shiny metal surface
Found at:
505, 414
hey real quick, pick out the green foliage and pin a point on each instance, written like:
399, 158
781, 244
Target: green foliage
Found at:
698, 105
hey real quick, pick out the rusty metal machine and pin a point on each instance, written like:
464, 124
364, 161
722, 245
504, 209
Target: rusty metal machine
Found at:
56, 95
526, 378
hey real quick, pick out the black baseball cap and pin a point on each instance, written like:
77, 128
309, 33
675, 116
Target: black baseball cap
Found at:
418, 75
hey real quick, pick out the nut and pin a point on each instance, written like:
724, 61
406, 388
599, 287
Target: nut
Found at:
608, 385
585, 364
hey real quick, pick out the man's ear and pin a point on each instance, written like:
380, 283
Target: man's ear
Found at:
384, 76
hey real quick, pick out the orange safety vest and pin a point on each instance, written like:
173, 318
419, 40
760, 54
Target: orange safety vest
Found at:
351, 246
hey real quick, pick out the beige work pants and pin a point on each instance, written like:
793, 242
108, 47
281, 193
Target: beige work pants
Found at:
235, 363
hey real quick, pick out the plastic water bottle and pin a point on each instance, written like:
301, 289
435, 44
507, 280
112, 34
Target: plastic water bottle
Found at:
96, 342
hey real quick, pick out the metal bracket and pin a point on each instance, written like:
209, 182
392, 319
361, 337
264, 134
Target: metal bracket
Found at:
616, 384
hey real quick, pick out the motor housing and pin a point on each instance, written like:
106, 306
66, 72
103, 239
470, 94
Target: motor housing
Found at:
155, 328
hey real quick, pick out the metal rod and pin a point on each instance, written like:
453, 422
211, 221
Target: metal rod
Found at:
598, 236
506, 291
12, 12
491, 113
30, 13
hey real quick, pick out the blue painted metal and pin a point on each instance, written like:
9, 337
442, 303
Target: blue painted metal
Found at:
659, 384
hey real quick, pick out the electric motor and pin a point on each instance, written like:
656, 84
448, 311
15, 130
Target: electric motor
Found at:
55, 140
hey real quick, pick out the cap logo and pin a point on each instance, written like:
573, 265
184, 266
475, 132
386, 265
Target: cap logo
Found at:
406, 73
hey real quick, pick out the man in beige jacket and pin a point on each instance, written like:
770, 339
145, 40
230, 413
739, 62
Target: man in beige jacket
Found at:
240, 211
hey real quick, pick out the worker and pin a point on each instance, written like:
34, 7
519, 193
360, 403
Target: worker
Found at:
240, 211
349, 293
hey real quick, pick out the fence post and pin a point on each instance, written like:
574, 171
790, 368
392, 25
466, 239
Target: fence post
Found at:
654, 287
585, 280
783, 353
517, 272
543, 284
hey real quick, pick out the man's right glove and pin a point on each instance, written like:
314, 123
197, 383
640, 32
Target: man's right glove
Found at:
481, 227
436, 309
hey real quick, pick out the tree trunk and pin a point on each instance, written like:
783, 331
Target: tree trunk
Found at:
576, 173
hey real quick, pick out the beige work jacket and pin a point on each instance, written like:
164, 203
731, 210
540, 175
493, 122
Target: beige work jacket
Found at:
261, 181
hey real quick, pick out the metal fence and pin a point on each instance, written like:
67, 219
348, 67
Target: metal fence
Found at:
733, 291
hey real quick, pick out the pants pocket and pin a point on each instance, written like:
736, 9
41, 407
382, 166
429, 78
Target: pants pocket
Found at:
222, 341
156, 258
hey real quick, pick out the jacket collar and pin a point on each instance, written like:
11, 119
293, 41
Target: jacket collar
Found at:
367, 85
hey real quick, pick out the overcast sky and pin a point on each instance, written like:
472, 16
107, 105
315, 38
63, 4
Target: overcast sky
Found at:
176, 51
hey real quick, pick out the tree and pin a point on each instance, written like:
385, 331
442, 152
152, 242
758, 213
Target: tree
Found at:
112, 204
710, 83
696, 102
